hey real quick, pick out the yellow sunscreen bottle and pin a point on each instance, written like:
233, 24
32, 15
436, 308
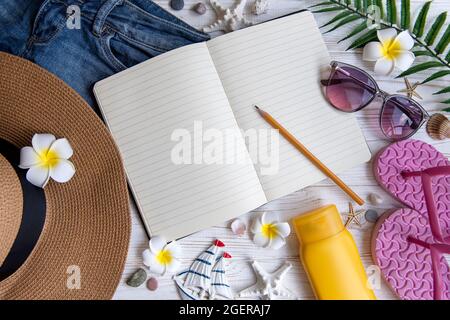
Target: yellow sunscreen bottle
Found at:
330, 256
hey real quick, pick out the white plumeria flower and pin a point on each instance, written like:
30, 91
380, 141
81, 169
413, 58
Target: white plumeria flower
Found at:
162, 257
268, 232
393, 51
47, 158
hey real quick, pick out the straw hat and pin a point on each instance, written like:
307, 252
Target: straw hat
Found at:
67, 241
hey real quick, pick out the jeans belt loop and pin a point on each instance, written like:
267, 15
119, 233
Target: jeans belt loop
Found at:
102, 14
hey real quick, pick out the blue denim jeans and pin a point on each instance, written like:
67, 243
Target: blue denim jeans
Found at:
110, 36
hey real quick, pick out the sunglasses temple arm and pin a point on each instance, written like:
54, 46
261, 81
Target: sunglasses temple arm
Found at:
365, 85
362, 83
330, 82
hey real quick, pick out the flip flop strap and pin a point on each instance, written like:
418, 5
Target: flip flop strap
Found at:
426, 176
436, 251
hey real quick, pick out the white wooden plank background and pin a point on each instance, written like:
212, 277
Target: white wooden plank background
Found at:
359, 178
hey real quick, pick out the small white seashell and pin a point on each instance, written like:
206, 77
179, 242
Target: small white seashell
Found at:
238, 227
260, 7
374, 199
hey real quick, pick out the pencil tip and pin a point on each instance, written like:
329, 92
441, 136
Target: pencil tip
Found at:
257, 108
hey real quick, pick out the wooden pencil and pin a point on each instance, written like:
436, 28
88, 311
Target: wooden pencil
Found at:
300, 147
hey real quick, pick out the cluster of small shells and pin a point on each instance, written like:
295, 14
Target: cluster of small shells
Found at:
259, 7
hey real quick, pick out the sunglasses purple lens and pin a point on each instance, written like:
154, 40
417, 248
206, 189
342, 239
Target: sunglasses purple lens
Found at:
349, 89
400, 117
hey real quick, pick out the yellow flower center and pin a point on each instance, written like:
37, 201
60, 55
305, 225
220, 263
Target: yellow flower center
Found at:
269, 230
164, 257
391, 49
48, 158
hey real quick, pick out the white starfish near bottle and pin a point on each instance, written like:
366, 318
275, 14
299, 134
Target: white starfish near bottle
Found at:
268, 286
229, 19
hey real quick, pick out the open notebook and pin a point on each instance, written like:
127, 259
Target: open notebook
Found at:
215, 84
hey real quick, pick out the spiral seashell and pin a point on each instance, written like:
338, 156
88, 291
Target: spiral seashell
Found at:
438, 127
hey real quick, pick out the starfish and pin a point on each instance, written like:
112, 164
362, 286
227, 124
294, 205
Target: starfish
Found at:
229, 19
352, 216
410, 89
268, 285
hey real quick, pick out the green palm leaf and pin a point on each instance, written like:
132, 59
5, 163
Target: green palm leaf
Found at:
446, 102
348, 11
419, 26
364, 39
358, 29
391, 11
344, 22
435, 28
326, 3
405, 14
379, 4
445, 90
329, 9
436, 75
420, 53
420, 67
443, 43
366, 5
337, 18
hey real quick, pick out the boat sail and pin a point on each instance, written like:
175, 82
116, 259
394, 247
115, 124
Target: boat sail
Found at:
196, 282
220, 287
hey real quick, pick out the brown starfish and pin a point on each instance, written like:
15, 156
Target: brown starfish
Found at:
352, 216
410, 89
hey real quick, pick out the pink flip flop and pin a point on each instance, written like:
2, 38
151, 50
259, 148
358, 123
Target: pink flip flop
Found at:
408, 244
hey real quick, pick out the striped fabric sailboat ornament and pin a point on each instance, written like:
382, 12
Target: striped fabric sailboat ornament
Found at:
220, 288
196, 282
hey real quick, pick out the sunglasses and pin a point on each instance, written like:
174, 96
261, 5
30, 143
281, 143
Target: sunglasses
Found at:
350, 89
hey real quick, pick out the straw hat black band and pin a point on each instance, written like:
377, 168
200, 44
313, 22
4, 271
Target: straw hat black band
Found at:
33, 216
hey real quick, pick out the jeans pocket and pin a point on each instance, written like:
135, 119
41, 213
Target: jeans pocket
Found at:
122, 52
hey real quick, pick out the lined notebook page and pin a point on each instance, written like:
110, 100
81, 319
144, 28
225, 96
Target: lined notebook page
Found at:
143, 106
276, 65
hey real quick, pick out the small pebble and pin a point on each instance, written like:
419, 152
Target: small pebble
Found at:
375, 199
177, 4
152, 284
371, 216
137, 278
200, 8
